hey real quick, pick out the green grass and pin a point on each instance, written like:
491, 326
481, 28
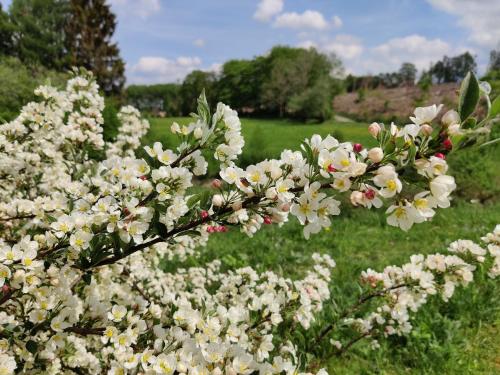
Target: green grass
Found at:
266, 138
460, 337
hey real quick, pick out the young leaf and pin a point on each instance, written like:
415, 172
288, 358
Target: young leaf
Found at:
469, 96
495, 107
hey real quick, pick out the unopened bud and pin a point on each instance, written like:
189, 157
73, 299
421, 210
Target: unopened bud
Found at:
447, 144
197, 133
440, 156
217, 200
376, 154
357, 147
216, 184
374, 129
267, 220
204, 214
356, 197
426, 130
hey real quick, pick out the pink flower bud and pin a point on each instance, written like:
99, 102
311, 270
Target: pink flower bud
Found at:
447, 144
5, 288
204, 214
374, 129
331, 168
216, 184
440, 156
210, 229
143, 178
376, 154
285, 207
426, 130
267, 220
357, 147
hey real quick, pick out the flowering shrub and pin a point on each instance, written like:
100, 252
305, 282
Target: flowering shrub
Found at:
82, 237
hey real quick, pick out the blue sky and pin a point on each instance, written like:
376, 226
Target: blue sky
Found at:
163, 40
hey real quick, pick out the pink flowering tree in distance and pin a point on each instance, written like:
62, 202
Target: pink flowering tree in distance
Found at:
84, 224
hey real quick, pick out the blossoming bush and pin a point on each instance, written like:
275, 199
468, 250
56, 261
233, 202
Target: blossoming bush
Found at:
84, 225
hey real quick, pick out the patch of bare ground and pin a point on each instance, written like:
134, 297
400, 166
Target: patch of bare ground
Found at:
393, 104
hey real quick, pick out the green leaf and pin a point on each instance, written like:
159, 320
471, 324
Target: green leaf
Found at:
203, 109
495, 107
469, 96
31, 346
87, 278
470, 123
193, 200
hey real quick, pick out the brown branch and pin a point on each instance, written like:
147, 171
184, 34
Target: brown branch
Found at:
7, 296
3, 219
361, 301
84, 331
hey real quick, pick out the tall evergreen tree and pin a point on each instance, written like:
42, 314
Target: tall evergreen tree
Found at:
89, 33
38, 34
6, 33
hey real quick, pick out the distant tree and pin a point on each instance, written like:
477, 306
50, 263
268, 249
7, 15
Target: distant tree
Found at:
153, 98
6, 33
89, 32
191, 87
494, 64
39, 36
292, 72
453, 69
240, 83
408, 73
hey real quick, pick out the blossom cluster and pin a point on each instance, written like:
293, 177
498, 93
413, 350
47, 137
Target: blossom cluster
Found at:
82, 238
403, 290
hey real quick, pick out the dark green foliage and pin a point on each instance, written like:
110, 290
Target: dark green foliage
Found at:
6, 33
111, 122
193, 84
39, 37
408, 74
240, 83
89, 33
453, 69
313, 103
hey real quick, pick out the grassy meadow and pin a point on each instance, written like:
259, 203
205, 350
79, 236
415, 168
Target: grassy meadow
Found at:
459, 337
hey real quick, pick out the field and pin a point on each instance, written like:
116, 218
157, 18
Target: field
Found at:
459, 337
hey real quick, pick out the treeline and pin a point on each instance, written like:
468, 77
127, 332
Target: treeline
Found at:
292, 82
449, 69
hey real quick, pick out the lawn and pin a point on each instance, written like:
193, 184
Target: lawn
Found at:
266, 138
462, 336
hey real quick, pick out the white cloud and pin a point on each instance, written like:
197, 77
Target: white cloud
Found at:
143, 8
337, 22
347, 47
310, 19
267, 9
385, 57
199, 43
413, 48
152, 69
480, 17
